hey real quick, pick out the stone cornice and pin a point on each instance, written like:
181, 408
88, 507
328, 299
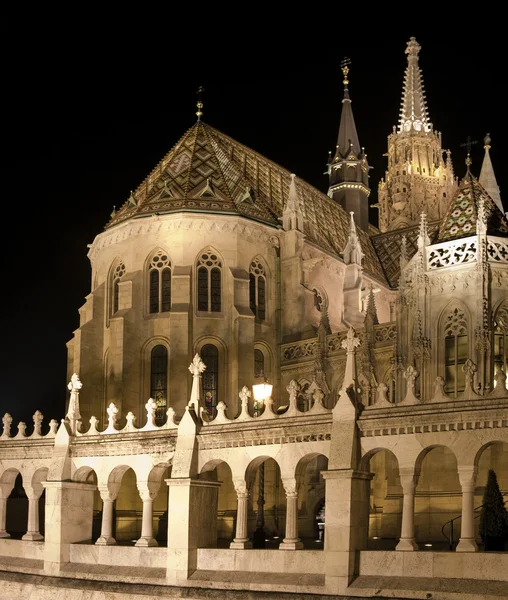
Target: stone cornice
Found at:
186, 222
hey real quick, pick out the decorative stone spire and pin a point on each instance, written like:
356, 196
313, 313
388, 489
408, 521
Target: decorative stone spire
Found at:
196, 367
348, 171
403, 253
292, 217
423, 235
73, 413
350, 344
371, 311
353, 251
413, 112
487, 176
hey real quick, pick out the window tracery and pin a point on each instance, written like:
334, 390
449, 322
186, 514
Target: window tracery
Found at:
159, 273
118, 273
209, 275
456, 351
257, 289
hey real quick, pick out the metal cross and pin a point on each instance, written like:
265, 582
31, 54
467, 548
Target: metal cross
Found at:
199, 104
345, 62
468, 143
345, 69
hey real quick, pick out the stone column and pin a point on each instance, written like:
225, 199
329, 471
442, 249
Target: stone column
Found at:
291, 540
408, 481
147, 538
241, 541
5, 492
106, 538
467, 478
33, 533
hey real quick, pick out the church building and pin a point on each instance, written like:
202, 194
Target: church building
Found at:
268, 393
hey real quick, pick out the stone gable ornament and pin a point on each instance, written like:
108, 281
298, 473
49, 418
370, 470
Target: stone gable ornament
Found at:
439, 393
293, 388
73, 414
112, 411
196, 367
469, 368
244, 396
7, 422
38, 418
410, 375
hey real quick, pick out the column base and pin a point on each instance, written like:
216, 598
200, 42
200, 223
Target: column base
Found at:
32, 536
466, 545
4, 534
240, 545
105, 541
407, 545
291, 545
146, 542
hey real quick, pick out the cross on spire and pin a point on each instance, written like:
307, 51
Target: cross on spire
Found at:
467, 144
199, 103
344, 65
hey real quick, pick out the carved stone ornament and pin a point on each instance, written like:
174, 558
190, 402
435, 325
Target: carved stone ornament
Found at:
244, 396
351, 342
7, 422
197, 366
410, 375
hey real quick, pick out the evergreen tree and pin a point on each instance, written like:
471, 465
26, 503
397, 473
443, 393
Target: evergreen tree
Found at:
493, 516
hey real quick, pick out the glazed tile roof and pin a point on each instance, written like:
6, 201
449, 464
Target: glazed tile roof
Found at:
388, 247
207, 171
460, 220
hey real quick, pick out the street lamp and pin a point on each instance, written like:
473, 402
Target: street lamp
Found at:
261, 392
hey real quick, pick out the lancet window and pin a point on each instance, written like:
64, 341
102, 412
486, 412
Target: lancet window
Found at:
501, 340
210, 377
456, 351
259, 363
159, 274
209, 275
257, 289
159, 381
118, 273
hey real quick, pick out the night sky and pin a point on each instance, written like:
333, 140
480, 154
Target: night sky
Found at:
88, 113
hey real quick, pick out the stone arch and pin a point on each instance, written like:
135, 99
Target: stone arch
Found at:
116, 271
222, 499
310, 486
149, 260
16, 508
201, 262
365, 460
145, 370
128, 508
156, 481
223, 361
268, 358
250, 470
85, 474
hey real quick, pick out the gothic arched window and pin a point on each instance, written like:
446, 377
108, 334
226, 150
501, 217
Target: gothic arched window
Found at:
118, 273
257, 289
209, 274
456, 351
159, 380
259, 363
501, 340
210, 378
160, 283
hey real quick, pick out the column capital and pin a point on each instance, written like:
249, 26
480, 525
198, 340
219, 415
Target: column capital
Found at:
241, 488
408, 479
290, 486
106, 493
467, 476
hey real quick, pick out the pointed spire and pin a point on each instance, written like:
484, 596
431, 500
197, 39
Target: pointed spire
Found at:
423, 235
292, 217
487, 176
413, 113
371, 311
403, 252
199, 104
353, 250
347, 140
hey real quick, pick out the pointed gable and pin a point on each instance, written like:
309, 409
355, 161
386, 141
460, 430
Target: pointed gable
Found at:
462, 215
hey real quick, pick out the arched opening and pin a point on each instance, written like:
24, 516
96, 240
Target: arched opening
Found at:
267, 503
88, 475
311, 500
385, 501
492, 456
160, 505
128, 507
226, 502
438, 498
16, 520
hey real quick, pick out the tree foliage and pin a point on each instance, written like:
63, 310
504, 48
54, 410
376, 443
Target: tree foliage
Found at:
493, 516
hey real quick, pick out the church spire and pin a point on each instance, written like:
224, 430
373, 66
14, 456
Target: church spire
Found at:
487, 176
413, 112
348, 170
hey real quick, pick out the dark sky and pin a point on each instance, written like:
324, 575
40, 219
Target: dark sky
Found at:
88, 111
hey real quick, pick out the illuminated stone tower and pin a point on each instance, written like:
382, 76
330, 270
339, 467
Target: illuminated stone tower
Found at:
348, 171
418, 178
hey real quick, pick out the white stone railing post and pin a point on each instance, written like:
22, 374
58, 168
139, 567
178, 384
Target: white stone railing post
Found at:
38, 418
106, 538
241, 541
467, 478
291, 540
7, 422
408, 480
73, 414
32, 533
147, 496
5, 491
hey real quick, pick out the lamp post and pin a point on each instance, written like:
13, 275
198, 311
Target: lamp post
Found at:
261, 392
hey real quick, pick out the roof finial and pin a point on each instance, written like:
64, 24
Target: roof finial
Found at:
486, 141
345, 70
468, 143
199, 103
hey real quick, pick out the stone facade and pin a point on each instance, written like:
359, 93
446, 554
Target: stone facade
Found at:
359, 470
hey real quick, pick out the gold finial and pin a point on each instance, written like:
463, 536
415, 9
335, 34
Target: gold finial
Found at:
467, 144
345, 69
486, 141
199, 103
